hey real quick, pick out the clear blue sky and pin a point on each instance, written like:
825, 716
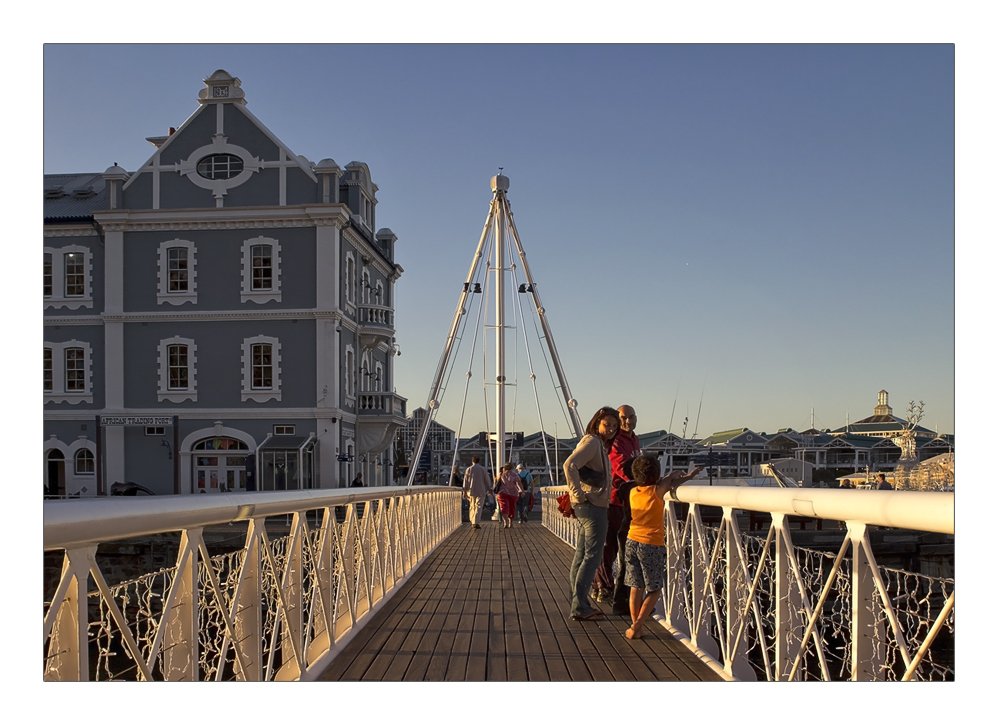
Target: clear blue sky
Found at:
755, 231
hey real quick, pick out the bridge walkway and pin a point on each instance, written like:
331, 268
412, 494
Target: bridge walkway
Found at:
492, 605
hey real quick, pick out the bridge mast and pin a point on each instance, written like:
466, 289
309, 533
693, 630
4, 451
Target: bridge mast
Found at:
500, 222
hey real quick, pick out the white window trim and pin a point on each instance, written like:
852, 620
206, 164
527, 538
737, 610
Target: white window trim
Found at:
59, 395
350, 284
59, 299
163, 294
164, 393
248, 294
350, 366
261, 395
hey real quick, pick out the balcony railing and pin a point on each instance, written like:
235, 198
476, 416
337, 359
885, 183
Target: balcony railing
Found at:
381, 402
379, 316
280, 608
765, 609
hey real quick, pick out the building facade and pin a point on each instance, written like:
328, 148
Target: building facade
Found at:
220, 319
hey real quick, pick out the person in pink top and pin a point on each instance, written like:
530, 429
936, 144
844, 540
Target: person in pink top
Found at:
509, 488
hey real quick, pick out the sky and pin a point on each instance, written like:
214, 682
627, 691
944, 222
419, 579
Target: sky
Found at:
751, 236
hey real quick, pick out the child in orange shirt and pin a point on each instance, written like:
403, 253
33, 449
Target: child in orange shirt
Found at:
645, 551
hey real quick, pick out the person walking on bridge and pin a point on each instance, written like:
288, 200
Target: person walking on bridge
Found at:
523, 501
509, 488
475, 487
588, 480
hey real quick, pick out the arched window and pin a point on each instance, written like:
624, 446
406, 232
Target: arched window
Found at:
84, 462
216, 443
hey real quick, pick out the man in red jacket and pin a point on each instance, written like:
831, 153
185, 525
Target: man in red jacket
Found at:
624, 448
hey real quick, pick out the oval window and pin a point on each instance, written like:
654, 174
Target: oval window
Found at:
220, 166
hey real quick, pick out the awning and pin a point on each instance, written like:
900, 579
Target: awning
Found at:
283, 441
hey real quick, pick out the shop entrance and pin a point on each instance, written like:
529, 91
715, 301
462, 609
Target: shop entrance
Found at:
220, 465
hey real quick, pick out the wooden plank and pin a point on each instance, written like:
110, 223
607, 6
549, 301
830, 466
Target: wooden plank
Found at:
446, 623
493, 604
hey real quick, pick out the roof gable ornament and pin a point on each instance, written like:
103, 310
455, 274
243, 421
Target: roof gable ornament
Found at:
220, 87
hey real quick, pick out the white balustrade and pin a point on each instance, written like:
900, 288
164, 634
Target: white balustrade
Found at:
764, 608
279, 609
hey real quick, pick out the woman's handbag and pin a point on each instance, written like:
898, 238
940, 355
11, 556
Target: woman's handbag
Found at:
591, 477
564, 505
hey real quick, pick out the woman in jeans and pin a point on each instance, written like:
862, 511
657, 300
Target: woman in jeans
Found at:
590, 506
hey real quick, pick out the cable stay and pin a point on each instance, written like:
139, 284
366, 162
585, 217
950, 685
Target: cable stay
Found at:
498, 243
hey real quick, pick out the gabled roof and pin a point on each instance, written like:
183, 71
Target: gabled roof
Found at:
732, 436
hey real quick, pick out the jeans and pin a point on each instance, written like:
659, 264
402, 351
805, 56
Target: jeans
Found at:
590, 535
522, 506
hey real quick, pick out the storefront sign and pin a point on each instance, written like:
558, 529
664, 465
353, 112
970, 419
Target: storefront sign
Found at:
110, 421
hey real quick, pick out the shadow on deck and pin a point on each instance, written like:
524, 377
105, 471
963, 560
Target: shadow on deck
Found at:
493, 605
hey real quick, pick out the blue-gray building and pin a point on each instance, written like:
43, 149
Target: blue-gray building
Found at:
221, 318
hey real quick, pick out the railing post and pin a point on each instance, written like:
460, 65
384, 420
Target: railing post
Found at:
867, 645
247, 605
180, 639
323, 627
735, 649
700, 563
788, 617
291, 588
674, 583
68, 657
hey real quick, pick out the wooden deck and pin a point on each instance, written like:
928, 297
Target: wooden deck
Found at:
493, 605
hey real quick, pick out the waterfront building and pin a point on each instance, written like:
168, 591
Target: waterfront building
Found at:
220, 319
438, 446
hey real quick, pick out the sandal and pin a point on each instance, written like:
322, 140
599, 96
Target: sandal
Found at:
592, 616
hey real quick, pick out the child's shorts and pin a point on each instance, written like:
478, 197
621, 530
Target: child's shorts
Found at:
644, 565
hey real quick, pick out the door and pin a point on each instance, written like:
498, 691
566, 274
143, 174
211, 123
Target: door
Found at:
220, 474
55, 474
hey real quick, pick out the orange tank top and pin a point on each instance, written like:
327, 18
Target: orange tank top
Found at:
647, 516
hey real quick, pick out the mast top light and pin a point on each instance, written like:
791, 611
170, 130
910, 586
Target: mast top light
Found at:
499, 182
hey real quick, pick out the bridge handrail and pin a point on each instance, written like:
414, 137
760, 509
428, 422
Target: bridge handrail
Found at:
71, 523
767, 608
933, 512
280, 608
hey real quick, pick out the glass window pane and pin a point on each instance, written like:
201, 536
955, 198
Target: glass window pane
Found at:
75, 379
47, 367
177, 269
73, 269
177, 367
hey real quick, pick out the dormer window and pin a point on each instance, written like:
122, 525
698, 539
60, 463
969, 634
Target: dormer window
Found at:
220, 166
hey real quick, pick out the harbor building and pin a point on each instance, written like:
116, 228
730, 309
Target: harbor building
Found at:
220, 319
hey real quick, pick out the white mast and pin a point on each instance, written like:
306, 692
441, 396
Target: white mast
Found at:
501, 222
500, 184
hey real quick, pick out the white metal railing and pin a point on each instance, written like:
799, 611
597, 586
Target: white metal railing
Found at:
764, 608
279, 609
